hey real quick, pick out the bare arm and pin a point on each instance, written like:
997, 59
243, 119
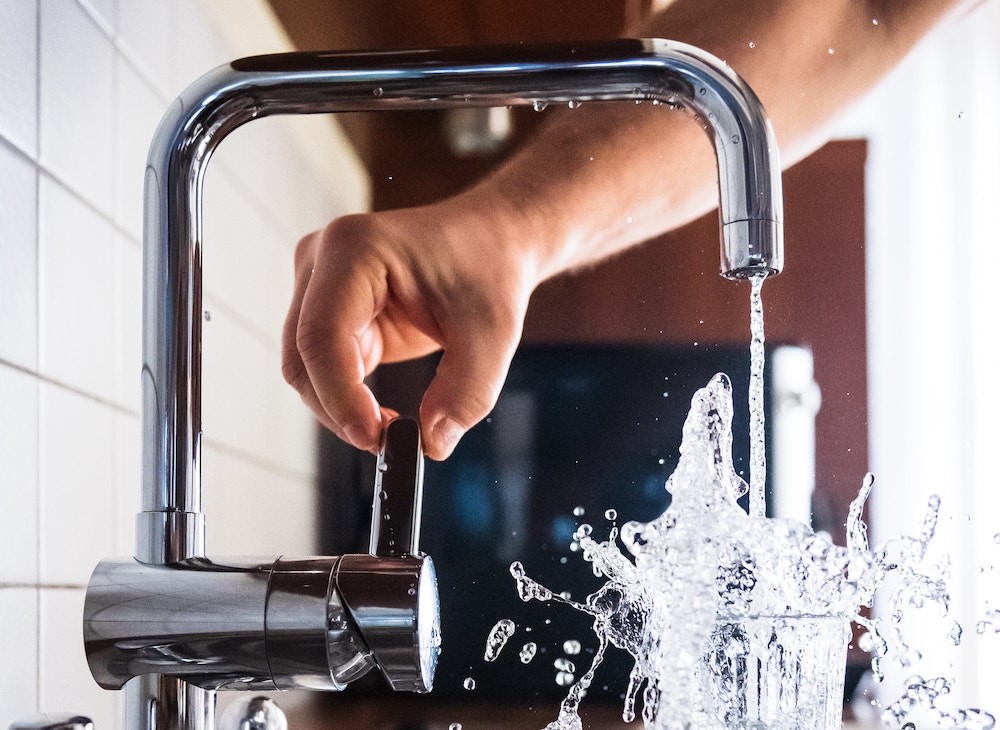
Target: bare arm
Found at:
807, 61
457, 275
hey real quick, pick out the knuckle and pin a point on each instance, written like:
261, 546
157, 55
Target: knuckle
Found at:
294, 372
304, 251
474, 399
346, 231
311, 340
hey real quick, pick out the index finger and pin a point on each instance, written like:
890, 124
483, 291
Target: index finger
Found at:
334, 330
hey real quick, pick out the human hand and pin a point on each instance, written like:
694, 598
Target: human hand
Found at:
386, 287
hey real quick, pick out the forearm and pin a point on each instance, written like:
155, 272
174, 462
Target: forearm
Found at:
806, 61
595, 180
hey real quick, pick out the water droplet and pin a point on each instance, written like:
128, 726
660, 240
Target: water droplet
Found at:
208, 316
573, 104
564, 665
961, 115
528, 652
386, 517
579, 511
497, 639
412, 591
571, 647
874, 21
611, 514
735, 139
538, 105
830, 51
377, 91
752, 44
702, 91
564, 679
665, 394
469, 683
866, 642
661, 462
996, 538
383, 495
455, 726
565, 595
955, 633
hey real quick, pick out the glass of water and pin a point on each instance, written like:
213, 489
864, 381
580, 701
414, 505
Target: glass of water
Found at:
776, 672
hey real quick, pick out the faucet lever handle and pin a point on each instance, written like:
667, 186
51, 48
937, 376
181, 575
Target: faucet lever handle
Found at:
399, 482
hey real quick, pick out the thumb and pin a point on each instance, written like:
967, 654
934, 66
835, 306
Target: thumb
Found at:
467, 384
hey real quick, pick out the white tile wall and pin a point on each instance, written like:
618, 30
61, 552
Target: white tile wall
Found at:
76, 291
146, 35
275, 507
137, 113
19, 664
19, 73
203, 47
127, 322
127, 478
103, 13
82, 85
62, 685
18, 264
18, 477
250, 278
76, 474
238, 412
76, 100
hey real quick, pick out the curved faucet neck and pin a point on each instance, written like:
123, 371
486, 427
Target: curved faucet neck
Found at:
171, 526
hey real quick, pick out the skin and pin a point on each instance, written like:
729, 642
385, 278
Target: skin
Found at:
457, 275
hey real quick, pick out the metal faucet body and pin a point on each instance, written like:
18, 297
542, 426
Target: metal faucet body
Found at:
170, 529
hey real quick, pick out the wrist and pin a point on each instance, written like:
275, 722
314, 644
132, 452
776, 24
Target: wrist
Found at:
515, 216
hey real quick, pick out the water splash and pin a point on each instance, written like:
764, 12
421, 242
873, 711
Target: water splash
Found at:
497, 639
710, 600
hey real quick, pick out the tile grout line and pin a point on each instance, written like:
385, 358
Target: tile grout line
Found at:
118, 375
38, 355
43, 378
15, 585
248, 457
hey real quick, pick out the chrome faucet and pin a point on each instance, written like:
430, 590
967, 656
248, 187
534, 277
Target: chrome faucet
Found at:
172, 626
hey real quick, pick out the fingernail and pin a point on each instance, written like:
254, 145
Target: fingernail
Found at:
357, 435
447, 433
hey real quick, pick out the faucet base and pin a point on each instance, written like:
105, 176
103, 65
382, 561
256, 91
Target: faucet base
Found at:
239, 623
